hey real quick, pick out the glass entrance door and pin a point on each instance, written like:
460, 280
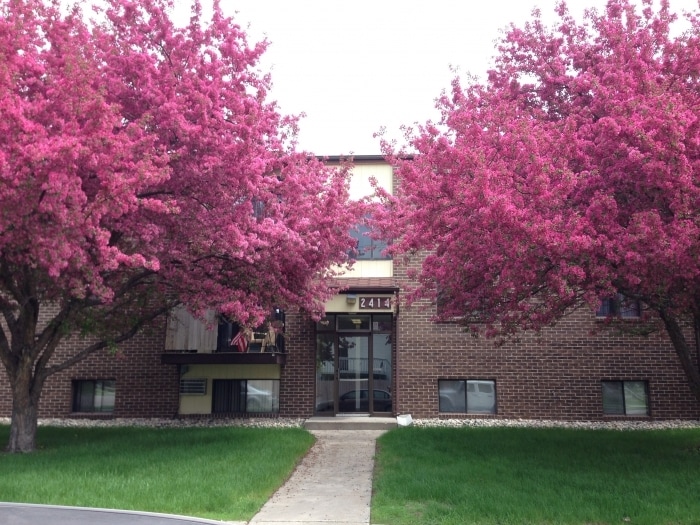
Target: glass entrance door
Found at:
353, 373
326, 387
353, 364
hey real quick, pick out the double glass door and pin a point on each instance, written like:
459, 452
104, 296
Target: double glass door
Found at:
353, 370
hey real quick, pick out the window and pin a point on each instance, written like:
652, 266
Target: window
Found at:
354, 322
382, 322
620, 306
367, 248
258, 209
94, 396
326, 324
476, 396
245, 396
625, 398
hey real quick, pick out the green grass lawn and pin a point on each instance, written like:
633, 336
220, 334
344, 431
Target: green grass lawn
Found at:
521, 476
224, 473
423, 475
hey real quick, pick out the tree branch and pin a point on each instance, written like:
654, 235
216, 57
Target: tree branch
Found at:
99, 345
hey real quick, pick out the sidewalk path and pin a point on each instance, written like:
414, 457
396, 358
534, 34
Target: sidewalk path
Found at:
332, 484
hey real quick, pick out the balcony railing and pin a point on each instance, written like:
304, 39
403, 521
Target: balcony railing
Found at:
190, 357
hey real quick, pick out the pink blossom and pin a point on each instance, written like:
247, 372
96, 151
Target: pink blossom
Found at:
571, 174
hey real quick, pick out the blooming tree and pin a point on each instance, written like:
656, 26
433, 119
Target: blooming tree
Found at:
141, 167
571, 174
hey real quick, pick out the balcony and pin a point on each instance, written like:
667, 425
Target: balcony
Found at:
192, 357
191, 341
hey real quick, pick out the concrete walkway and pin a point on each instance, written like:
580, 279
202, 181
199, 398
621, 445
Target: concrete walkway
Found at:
332, 484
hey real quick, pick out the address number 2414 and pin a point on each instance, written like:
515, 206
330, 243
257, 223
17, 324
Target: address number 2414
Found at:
377, 303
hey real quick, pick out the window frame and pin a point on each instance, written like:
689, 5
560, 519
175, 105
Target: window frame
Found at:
619, 307
241, 396
367, 248
624, 400
354, 322
78, 396
377, 323
443, 397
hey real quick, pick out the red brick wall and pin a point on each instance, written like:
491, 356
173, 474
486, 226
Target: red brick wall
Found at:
554, 375
144, 387
298, 381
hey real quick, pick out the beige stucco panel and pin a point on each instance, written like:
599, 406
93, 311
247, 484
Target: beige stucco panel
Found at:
201, 404
360, 187
383, 268
361, 175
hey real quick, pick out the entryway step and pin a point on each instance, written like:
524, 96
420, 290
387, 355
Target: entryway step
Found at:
350, 423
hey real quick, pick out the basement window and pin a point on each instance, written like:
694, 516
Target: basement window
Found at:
473, 396
94, 396
625, 398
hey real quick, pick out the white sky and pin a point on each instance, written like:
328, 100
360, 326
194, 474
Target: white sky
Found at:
355, 66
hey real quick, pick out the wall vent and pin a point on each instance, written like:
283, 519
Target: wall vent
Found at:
196, 387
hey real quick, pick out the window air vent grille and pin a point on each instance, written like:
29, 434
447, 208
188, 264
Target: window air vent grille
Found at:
193, 386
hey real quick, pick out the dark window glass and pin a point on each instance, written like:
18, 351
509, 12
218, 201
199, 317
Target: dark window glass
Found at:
381, 322
226, 333
245, 396
453, 397
620, 306
367, 248
625, 398
326, 324
353, 322
94, 396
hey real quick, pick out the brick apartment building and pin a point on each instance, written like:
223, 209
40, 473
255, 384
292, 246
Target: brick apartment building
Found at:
369, 343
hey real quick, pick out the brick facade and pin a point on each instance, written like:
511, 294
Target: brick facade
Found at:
298, 376
145, 387
556, 374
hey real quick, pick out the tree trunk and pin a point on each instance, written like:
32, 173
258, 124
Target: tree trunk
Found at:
25, 412
684, 352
